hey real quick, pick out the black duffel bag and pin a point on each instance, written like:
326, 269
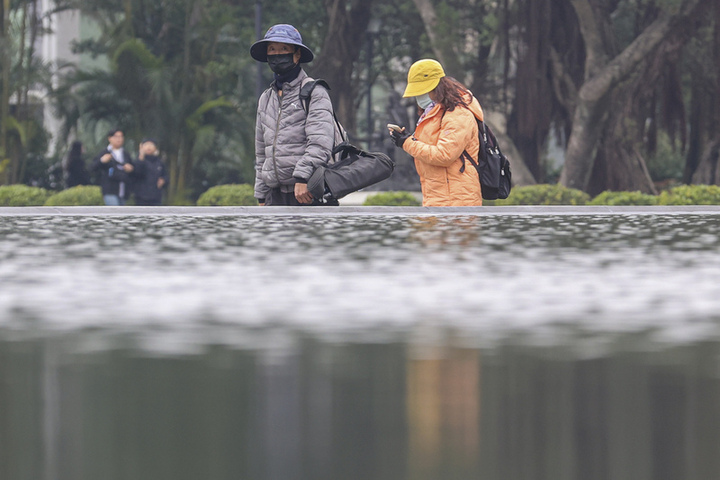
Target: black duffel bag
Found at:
355, 169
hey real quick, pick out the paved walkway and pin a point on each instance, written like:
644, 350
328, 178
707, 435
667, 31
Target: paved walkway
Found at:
358, 211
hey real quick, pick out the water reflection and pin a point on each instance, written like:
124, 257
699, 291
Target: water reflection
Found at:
359, 347
393, 410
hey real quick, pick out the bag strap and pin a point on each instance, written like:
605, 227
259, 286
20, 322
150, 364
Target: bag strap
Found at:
482, 135
308, 85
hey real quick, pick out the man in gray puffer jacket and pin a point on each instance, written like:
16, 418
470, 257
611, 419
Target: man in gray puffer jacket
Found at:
289, 144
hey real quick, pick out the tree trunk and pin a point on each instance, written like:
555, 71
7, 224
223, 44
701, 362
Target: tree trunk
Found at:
531, 118
520, 173
27, 85
601, 78
702, 167
342, 46
442, 46
173, 173
5, 84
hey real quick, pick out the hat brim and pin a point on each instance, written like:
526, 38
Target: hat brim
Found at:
420, 88
258, 50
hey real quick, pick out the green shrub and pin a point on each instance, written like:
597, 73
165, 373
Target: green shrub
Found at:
624, 198
399, 199
228, 195
80, 195
545, 194
22, 196
691, 195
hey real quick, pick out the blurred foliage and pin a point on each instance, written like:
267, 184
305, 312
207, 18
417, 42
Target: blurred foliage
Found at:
228, 195
76, 196
691, 195
403, 199
624, 198
667, 161
22, 196
545, 194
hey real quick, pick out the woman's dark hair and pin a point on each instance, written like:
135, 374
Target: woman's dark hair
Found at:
450, 93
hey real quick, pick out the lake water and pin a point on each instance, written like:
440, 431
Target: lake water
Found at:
383, 346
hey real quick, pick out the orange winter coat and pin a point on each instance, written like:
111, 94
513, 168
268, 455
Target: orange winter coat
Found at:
437, 145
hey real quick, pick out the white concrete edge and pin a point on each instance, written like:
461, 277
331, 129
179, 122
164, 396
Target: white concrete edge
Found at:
359, 211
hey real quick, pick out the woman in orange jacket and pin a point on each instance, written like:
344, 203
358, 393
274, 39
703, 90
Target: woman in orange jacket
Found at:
447, 127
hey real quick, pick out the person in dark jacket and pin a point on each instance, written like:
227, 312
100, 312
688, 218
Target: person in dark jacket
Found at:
150, 175
74, 167
114, 165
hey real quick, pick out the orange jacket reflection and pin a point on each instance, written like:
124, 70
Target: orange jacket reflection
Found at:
438, 143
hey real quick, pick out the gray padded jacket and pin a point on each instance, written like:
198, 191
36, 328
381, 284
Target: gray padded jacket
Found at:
290, 145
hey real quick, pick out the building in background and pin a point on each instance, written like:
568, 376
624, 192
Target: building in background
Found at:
56, 48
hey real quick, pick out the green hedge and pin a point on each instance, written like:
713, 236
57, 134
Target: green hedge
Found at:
691, 195
624, 198
559, 195
544, 194
76, 196
400, 199
228, 195
22, 196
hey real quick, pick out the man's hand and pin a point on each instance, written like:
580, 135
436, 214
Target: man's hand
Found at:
106, 158
160, 183
302, 193
128, 167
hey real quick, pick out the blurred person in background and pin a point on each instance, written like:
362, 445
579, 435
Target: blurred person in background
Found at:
74, 169
150, 175
447, 128
114, 166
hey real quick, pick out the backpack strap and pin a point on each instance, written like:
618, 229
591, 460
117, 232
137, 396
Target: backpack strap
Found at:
482, 134
306, 89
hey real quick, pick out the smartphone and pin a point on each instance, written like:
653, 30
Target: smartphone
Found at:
392, 126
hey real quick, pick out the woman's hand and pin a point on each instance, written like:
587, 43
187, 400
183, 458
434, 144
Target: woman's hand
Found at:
398, 136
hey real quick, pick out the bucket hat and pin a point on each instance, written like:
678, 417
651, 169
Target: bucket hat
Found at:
282, 33
423, 77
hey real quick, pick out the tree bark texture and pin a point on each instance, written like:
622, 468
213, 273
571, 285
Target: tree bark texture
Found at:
602, 78
4, 83
347, 27
529, 123
443, 48
704, 153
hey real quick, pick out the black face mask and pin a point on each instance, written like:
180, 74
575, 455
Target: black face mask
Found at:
281, 63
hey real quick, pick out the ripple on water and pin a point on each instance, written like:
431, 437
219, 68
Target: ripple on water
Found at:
482, 275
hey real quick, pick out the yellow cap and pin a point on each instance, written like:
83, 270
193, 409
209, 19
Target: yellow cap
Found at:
423, 77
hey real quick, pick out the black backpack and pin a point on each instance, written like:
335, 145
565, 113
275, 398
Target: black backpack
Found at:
492, 166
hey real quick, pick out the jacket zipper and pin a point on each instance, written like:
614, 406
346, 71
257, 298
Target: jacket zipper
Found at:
277, 127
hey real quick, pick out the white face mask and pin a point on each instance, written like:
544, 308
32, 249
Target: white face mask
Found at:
423, 101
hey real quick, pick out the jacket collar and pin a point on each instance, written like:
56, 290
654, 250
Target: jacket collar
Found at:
291, 85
